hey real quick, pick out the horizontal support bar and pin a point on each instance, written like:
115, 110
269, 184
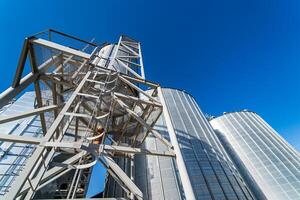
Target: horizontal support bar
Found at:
128, 57
123, 149
59, 47
78, 115
90, 80
19, 139
93, 148
5, 119
88, 95
86, 115
73, 37
138, 80
89, 199
122, 96
72, 145
127, 61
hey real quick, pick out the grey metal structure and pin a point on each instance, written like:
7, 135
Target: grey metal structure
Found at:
209, 170
265, 155
90, 110
14, 155
92, 104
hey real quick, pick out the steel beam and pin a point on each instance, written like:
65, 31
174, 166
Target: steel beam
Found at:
5, 119
129, 62
145, 82
57, 81
130, 51
46, 161
88, 199
123, 177
79, 69
91, 148
140, 120
53, 172
127, 97
55, 46
130, 150
35, 181
11, 92
30, 164
19, 139
21, 64
185, 178
128, 68
74, 38
138, 89
141, 62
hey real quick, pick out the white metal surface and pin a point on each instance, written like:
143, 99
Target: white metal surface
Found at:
273, 164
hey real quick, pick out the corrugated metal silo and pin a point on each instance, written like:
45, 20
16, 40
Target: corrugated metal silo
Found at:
210, 171
271, 161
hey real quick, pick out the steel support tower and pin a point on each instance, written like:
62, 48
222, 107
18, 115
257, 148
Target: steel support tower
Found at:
92, 107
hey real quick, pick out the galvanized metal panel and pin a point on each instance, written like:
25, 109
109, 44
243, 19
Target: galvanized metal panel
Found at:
211, 172
270, 160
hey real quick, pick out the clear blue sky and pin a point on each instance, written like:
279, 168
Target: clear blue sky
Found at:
229, 55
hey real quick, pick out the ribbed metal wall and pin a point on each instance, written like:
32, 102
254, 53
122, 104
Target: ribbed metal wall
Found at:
271, 161
211, 172
157, 176
13, 155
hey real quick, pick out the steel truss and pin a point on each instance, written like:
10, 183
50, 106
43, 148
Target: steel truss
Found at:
97, 112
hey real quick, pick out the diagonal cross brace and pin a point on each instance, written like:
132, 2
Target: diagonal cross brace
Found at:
140, 120
30, 164
123, 177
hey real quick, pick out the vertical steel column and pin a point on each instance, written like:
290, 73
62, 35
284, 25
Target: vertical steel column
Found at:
141, 62
131, 172
185, 179
37, 87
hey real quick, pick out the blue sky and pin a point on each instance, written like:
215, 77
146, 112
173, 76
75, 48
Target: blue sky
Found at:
230, 55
